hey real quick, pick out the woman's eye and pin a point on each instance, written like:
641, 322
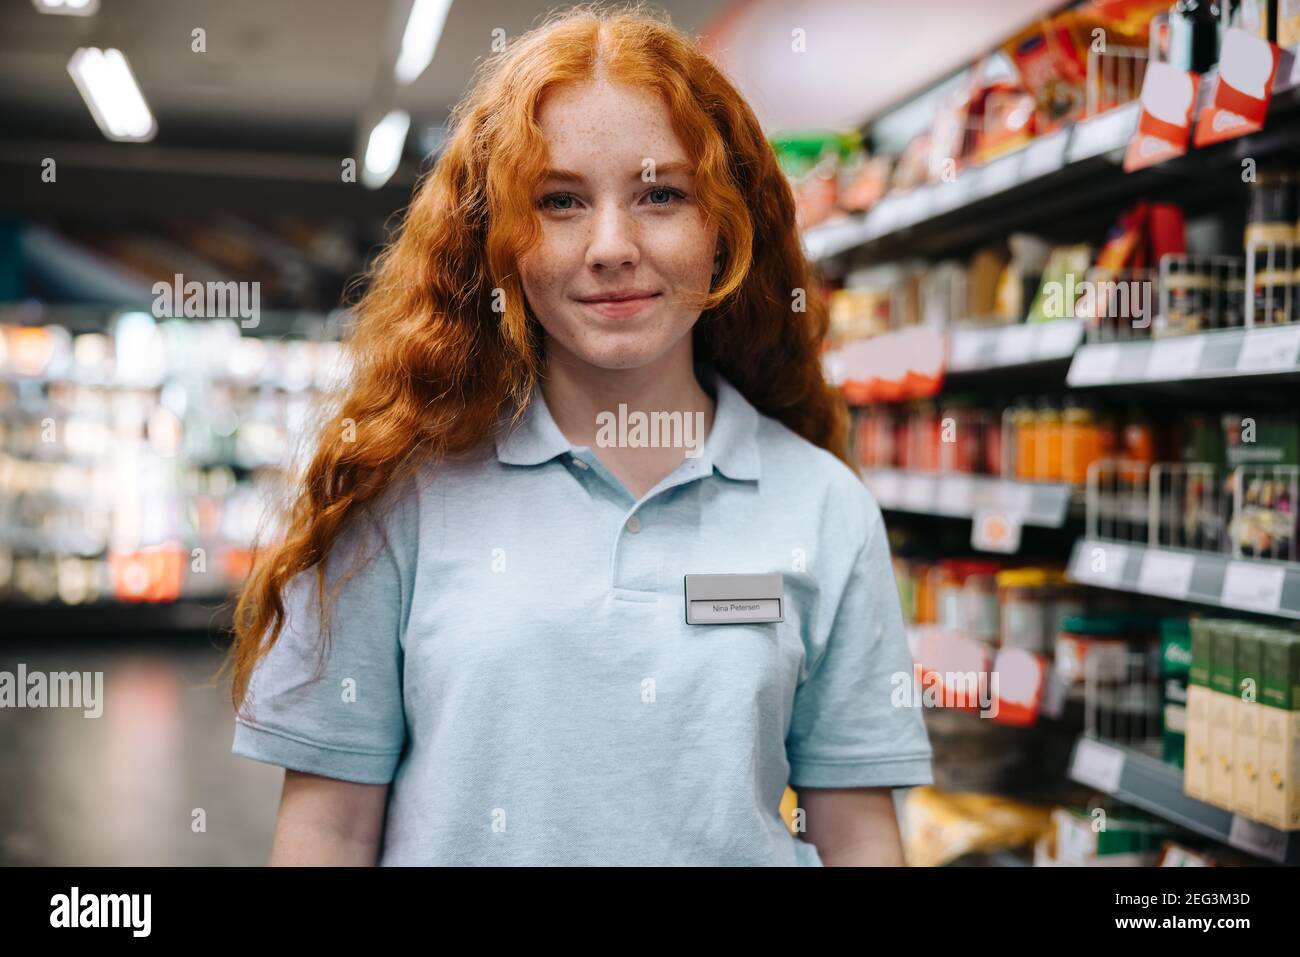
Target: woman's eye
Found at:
663, 195
561, 202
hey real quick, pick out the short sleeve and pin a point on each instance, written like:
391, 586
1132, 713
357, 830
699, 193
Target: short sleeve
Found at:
850, 726
340, 715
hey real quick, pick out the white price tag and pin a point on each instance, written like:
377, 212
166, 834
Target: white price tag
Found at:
995, 531
1257, 838
918, 492
1175, 358
1014, 497
963, 349
1111, 130
1058, 338
1016, 344
880, 218
883, 484
1000, 175
1166, 573
957, 494
1093, 365
1044, 155
914, 206
1269, 350
1253, 586
1097, 765
957, 193
1101, 563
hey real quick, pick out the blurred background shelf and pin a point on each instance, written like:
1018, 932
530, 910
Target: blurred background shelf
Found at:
1241, 584
1156, 787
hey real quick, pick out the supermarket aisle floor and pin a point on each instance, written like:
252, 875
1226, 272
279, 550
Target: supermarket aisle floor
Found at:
124, 788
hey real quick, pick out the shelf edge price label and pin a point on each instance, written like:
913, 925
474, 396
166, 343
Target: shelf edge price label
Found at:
1168, 574
1253, 586
1015, 344
1000, 175
956, 495
884, 486
1058, 338
918, 492
963, 349
1109, 131
1256, 838
1101, 563
1174, 358
993, 530
1093, 364
1045, 154
1269, 350
1097, 765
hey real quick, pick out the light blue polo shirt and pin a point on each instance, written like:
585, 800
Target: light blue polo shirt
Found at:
516, 659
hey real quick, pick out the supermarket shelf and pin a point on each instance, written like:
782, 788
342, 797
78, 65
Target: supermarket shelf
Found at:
954, 495
1218, 354
1255, 585
1071, 171
1157, 788
1009, 346
1034, 162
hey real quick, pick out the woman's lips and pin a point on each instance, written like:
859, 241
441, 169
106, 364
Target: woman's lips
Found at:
621, 308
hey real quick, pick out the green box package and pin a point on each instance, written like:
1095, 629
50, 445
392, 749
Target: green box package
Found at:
1175, 666
1202, 647
1280, 679
1223, 700
1223, 663
1279, 734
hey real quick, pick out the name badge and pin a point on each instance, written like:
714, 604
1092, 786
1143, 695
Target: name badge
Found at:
734, 599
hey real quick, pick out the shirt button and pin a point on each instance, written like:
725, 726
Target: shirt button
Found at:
579, 463
633, 525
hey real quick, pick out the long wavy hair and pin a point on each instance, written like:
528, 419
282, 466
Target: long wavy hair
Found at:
436, 362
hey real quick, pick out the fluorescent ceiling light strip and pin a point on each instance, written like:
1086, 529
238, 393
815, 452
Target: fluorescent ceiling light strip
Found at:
76, 8
105, 81
384, 148
420, 40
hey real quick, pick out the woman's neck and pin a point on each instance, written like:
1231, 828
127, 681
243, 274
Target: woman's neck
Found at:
583, 399
577, 393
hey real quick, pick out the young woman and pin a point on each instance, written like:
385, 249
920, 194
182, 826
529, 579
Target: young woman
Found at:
586, 368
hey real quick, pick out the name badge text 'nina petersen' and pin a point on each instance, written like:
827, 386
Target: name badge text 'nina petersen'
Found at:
734, 599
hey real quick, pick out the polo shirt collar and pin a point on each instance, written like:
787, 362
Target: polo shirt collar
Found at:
731, 448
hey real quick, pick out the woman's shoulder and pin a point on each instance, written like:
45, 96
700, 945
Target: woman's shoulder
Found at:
808, 476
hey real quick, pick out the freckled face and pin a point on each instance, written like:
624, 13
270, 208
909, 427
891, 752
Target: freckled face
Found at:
618, 251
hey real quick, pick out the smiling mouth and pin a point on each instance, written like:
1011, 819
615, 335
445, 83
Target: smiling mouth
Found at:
621, 305
618, 297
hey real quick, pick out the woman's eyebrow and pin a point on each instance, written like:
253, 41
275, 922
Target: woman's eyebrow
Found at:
665, 169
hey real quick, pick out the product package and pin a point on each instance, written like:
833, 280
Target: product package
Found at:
1268, 449
1175, 663
1279, 730
1247, 663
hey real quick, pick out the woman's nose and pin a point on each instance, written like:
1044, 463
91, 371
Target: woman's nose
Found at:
614, 239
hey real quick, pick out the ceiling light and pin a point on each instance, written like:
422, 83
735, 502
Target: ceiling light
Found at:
384, 148
107, 85
423, 28
73, 8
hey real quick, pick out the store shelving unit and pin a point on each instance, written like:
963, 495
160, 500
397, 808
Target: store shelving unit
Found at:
1268, 352
1156, 787
956, 495
1063, 186
1242, 584
1010, 346
1073, 151
1061, 174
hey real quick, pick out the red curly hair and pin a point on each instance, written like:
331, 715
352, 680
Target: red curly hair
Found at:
435, 367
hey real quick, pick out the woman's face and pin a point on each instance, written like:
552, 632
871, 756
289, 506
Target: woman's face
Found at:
619, 250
